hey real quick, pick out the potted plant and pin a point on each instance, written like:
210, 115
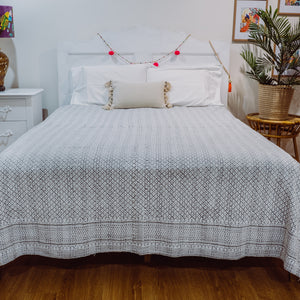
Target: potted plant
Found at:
274, 62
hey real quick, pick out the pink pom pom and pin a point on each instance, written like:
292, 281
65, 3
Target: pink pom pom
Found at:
156, 64
111, 52
177, 52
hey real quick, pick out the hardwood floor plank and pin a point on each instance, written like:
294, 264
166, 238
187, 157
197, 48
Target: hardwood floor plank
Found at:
126, 276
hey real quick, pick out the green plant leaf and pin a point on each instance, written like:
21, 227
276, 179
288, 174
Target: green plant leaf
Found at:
280, 44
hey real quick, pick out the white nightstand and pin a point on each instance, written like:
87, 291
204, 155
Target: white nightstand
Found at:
20, 110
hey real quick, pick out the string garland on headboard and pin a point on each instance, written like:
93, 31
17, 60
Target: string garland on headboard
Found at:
154, 62
174, 52
224, 68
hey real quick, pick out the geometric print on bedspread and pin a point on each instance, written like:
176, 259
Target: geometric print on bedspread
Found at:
184, 181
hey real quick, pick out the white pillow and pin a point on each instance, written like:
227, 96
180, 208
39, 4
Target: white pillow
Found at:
137, 94
77, 80
89, 81
191, 86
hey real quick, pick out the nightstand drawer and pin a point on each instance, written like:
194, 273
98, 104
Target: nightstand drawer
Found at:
10, 131
20, 110
13, 110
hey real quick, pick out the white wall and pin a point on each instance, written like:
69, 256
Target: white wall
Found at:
40, 25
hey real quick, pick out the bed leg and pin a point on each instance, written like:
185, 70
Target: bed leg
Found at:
147, 259
293, 278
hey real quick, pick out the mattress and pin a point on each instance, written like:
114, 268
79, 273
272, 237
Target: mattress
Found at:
177, 182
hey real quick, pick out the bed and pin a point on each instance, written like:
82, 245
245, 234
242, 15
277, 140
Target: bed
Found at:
184, 181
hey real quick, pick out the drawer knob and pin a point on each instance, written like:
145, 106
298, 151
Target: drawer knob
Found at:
5, 109
7, 133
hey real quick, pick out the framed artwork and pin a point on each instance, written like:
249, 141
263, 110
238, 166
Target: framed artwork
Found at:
289, 7
245, 13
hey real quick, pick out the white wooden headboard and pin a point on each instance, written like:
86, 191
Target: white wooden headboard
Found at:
138, 44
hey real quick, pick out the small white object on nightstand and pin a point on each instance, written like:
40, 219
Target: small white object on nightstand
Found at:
20, 110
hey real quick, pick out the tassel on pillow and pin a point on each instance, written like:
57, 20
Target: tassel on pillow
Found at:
167, 89
110, 96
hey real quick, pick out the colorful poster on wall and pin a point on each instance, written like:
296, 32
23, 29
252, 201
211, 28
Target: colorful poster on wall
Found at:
289, 7
245, 13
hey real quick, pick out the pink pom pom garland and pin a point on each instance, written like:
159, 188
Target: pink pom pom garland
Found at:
153, 62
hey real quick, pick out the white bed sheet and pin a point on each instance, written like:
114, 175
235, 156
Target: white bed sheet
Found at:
177, 182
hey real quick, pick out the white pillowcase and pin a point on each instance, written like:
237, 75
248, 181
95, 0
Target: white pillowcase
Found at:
88, 82
191, 86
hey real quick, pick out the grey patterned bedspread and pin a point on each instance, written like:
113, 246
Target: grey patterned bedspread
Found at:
176, 182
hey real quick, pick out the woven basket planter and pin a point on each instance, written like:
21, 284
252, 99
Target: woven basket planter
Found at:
274, 101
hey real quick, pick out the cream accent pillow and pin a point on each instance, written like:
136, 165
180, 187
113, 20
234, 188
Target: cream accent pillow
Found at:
137, 95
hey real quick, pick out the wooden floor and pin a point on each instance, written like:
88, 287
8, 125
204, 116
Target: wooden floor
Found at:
126, 276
